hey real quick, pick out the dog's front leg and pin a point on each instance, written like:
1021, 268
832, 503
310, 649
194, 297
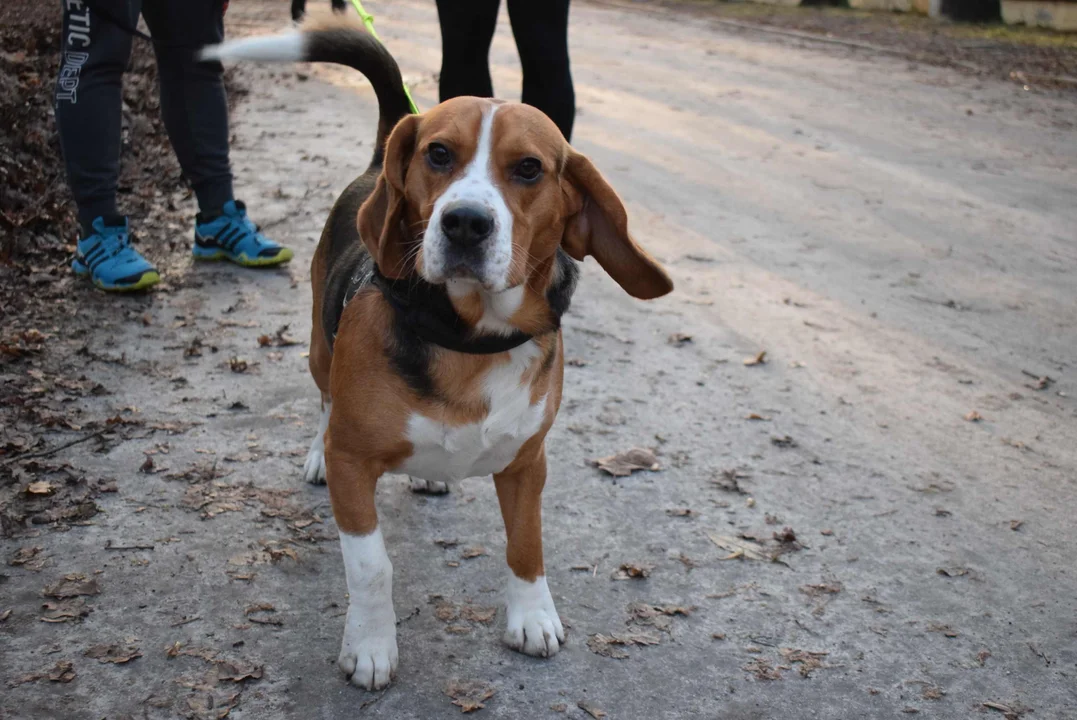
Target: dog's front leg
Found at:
533, 625
368, 654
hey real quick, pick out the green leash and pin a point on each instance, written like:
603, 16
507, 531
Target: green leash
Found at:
368, 20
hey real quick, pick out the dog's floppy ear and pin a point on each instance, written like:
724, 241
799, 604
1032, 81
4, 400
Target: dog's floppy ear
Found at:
598, 226
381, 216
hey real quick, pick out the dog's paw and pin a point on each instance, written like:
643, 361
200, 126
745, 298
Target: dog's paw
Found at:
368, 655
533, 625
428, 487
314, 467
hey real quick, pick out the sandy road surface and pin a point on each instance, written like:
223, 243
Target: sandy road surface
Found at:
901, 240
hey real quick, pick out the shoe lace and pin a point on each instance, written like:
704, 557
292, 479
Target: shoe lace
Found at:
116, 243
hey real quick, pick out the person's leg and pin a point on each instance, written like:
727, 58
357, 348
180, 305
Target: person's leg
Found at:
299, 8
194, 106
195, 112
541, 31
89, 117
339, 6
467, 28
94, 54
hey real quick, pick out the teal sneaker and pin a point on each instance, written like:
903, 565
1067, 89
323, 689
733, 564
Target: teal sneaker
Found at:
232, 236
108, 259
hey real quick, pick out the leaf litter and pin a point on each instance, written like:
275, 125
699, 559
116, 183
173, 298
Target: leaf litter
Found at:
63, 672
625, 463
632, 571
72, 585
469, 695
113, 653
659, 617
611, 645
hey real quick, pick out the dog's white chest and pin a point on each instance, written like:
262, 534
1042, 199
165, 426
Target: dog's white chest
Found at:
453, 452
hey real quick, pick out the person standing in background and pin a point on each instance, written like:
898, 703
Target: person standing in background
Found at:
541, 31
299, 8
96, 47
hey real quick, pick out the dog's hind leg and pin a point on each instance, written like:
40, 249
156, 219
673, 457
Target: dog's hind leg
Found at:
314, 467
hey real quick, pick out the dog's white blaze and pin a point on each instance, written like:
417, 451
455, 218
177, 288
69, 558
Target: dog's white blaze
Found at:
368, 653
452, 452
533, 625
314, 467
476, 186
287, 47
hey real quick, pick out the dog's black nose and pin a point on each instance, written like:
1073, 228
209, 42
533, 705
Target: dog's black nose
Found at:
466, 225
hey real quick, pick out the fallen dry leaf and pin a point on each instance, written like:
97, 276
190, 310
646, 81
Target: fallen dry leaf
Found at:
807, 660
483, 615
740, 549
41, 487
680, 512
632, 571
72, 585
759, 359
5, 615
114, 653
610, 645
952, 571
729, 480
63, 671
763, 670
469, 695
237, 671
821, 589
973, 416
559, 707
238, 364
473, 552
756, 416
32, 558
625, 463
659, 617
785, 441
65, 610
1012, 711
596, 712
945, 630
679, 339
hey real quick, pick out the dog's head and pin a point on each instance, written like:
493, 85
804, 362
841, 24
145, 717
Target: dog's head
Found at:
481, 193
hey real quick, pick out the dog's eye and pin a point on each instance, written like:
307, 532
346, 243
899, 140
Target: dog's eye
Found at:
438, 156
528, 170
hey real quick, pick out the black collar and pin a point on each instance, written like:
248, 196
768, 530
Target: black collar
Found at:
426, 310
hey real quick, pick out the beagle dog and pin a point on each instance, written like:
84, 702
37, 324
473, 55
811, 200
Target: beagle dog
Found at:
439, 286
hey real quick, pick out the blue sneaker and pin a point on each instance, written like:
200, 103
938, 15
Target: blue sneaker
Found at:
109, 260
232, 236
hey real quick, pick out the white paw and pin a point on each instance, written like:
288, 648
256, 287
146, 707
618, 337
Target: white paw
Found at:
314, 467
428, 487
368, 654
533, 625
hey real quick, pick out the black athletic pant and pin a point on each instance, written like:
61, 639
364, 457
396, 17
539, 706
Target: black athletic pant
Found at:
299, 8
89, 101
541, 31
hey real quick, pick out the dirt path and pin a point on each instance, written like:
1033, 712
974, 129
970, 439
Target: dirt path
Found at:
899, 239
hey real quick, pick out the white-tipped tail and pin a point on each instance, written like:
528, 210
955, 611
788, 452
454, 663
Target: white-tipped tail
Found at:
287, 47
